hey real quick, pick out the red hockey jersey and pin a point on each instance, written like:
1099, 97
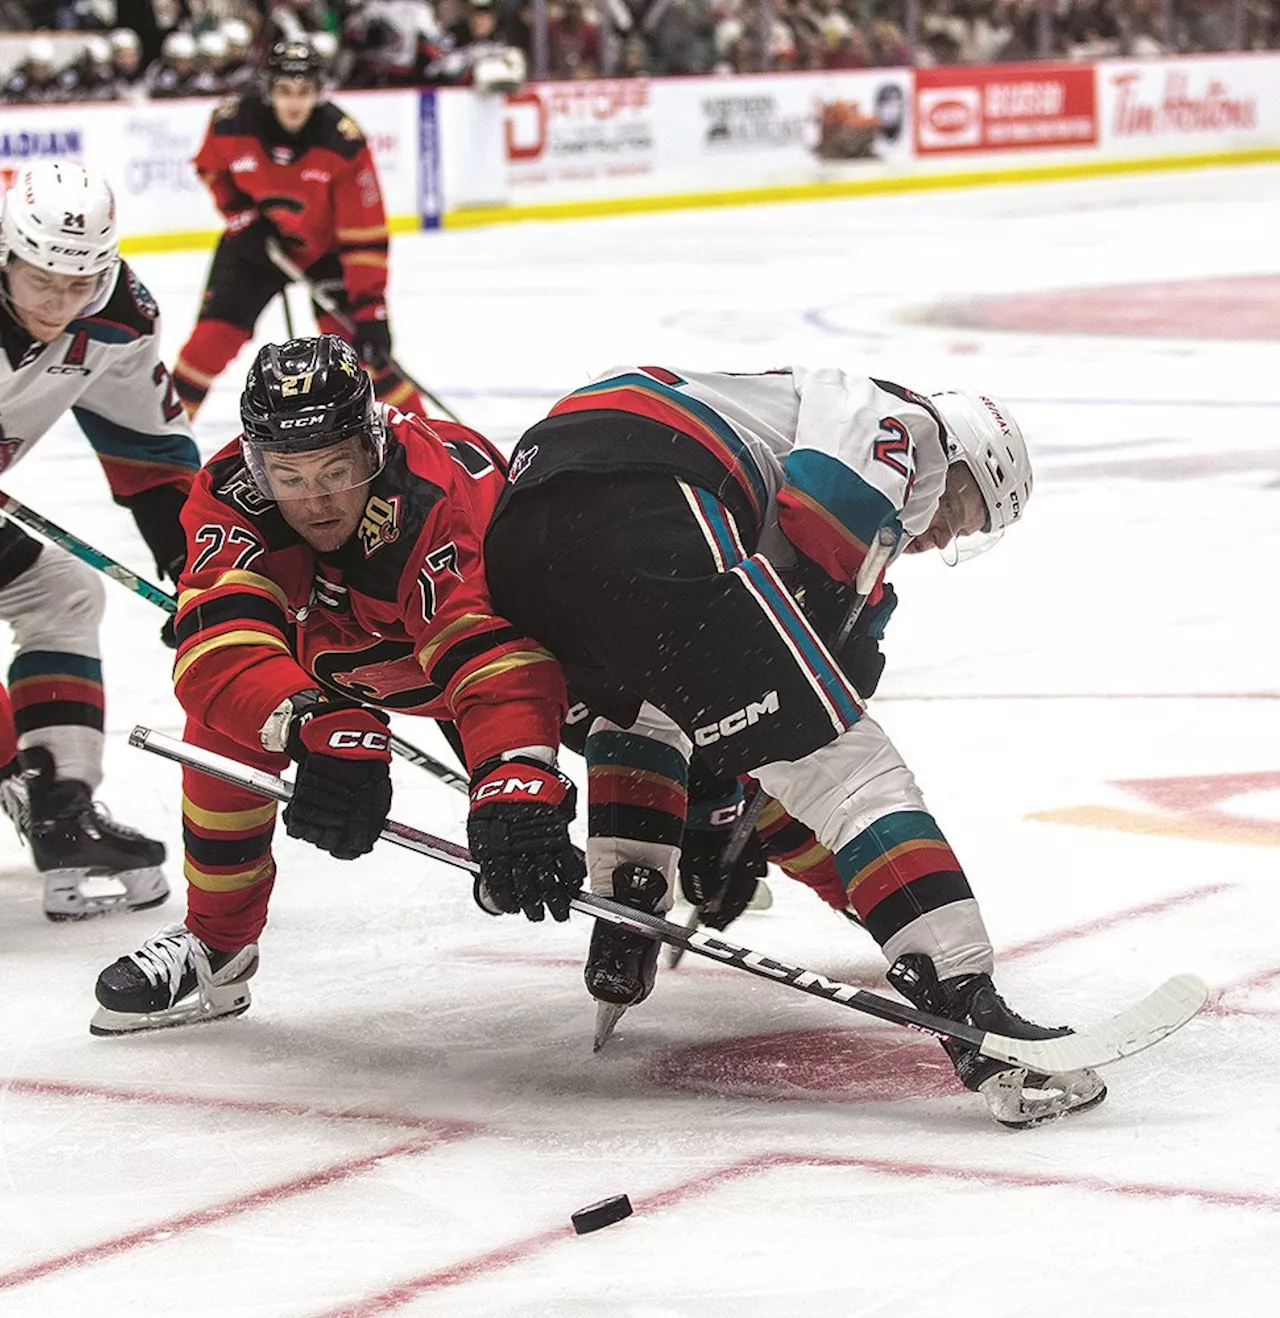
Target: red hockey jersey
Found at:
399, 617
318, 187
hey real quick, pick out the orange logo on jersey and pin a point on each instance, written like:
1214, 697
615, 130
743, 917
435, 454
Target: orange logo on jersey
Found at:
380, 524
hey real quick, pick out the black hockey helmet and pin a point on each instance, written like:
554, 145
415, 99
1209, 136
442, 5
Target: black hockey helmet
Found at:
305, 396
296, 58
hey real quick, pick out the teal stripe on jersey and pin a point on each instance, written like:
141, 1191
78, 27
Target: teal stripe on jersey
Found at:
855, 504
53, 663
113, 440
881, 837
832, 681
718, 521
636, 752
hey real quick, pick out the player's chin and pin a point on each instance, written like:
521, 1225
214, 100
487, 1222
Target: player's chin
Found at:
326, 537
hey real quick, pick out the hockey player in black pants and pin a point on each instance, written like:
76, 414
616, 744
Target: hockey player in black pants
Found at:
655, 533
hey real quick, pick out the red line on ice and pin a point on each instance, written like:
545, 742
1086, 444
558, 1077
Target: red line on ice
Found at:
159, 1232
162, 1098
516, 1252
1104, 922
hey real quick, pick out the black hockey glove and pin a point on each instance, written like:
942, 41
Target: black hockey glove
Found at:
518, 831
372, 341
859, 657
722, 895
342, 791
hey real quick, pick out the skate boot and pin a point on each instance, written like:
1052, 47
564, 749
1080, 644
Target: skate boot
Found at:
1016, 1097
172, 979
74, 840
621, 964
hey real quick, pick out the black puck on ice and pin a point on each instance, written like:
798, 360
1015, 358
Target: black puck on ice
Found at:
605, 1213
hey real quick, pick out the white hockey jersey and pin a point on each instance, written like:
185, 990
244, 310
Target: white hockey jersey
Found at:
106, 369
815, 459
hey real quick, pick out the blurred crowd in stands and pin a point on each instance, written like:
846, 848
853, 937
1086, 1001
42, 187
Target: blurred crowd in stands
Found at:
158, 48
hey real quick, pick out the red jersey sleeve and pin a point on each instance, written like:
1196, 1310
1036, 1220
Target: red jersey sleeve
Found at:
360, 227
213, 162
234, 663
501, 687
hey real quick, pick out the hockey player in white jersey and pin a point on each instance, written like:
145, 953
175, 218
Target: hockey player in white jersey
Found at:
658, 534
80, 333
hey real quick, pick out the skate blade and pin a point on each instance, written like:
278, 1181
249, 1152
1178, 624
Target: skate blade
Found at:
222, 1000
608, 1014
107, 892
1019, 1101
762, 898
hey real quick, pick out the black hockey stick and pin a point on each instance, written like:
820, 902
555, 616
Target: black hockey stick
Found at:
1147, 1022
329, 304
877, 558
153, 594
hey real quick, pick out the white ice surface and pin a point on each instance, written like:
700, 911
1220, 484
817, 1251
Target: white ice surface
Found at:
410, 1111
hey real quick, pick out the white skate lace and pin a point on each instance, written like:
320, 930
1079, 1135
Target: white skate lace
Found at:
166, 955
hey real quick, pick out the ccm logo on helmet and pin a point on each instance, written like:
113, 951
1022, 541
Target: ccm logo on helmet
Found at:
350, 741
738, 721
297, 422
505, 785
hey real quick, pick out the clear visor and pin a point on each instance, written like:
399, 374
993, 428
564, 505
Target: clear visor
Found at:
313, 473
962, 525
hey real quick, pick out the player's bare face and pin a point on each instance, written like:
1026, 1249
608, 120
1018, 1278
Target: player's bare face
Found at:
292, 101
46, 302
961, 511
322, 495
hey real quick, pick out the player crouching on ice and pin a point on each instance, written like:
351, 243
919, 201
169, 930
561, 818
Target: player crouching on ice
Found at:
334, 564
647, 537
79, 334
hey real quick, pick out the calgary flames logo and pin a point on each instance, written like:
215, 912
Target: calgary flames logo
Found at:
380, 524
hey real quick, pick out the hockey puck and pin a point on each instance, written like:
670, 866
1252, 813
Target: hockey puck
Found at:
605, 1213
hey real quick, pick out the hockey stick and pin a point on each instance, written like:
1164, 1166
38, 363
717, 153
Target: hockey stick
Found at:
864, 583
288, 312
331, 306
1145, 1023
152, 593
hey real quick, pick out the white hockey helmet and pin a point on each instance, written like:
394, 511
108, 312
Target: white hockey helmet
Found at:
982, 434
178, 46
60, 216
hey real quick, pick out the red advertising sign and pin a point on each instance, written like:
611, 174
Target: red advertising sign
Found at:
1005, 108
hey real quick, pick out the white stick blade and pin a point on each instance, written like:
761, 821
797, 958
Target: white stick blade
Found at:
1156, 1017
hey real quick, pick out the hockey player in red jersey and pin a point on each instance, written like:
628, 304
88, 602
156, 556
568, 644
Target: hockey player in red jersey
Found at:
79, 333
287, 167
655, 535
334, 570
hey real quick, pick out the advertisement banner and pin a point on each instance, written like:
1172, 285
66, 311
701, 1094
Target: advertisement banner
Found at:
638, 136
1188, 105
1007, 108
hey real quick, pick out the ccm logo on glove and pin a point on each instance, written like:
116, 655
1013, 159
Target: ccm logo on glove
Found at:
510, 787
347, 739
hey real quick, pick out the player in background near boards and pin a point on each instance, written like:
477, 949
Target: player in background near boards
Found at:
287, 167
334, 571
655, 534
80, 333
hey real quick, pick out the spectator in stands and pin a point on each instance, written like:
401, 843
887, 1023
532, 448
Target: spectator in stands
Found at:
573, 42
238, 72
391, 43
174, 73
35, 80
211, 56
94, 72
126, 63
889, 49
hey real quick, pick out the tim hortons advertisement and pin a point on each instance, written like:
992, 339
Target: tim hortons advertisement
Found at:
1006, 108
1190, 104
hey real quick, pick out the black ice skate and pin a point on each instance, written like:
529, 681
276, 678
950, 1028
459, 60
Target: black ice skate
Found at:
172, 979
1017, 1098
74, 840
621, 964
